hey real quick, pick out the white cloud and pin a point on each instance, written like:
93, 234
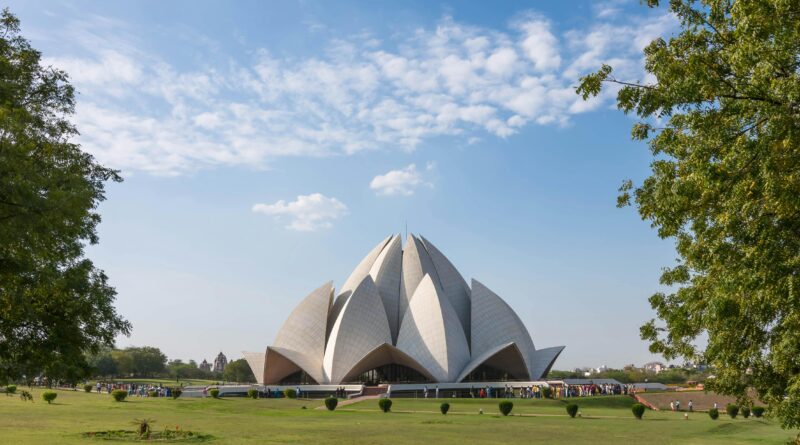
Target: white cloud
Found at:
138, 111
400, 182
306, 213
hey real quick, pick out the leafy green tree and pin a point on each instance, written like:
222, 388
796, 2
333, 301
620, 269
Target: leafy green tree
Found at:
103, 363
722, 119
55, 306
238, 371
147, 361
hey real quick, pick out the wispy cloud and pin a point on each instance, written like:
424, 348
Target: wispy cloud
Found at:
140, 112
307, 212
400, 182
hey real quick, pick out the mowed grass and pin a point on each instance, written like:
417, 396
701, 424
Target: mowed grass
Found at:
245, 421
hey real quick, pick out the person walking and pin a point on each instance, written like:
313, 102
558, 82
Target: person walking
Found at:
691, 405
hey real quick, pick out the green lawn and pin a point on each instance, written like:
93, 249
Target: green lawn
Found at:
235, 421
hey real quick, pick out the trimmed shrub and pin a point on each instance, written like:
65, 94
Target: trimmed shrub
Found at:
385, 405
745, 412
572, 409
331, 403
176, 393
638, 410
87, 387
252, 393
506, 406
11, 389
152, 393
214, 393
713, 413
290, 393
758, 411
49, 396
547, 392
732, 410
119, 395
444, 407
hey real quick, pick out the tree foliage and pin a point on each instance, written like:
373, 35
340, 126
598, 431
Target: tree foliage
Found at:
54, 304
722, 119
238, 371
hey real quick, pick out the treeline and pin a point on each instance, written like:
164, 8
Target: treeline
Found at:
668, 376
150, 362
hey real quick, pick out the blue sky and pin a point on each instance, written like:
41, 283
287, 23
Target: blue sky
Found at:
266, 147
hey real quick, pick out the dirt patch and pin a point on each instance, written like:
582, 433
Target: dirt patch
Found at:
702, 401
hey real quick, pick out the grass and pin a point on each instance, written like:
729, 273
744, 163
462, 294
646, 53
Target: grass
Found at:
246, 421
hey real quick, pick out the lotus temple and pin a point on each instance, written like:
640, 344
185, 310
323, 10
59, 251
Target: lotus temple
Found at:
405, 315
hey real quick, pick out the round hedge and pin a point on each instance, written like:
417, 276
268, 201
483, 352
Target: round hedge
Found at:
745, 412
252, 393
385, 405
88, 388
331, 403
49, 396
176, 393
758, 411
119, 395
444, 407
572, 410
732, 410
638, 410
290, 393
506, 406
713, 413
214, 393
11, 389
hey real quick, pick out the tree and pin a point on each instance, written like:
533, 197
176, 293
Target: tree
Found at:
722, 119
147, 361
55, 306
238, 371
103, 363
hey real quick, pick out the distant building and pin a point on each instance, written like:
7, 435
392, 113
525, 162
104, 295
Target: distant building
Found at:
654, 367
602, 368
205, 366
220, 362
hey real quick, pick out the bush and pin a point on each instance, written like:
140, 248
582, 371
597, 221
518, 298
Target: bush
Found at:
506, 406
290, 393
745, 412
572, 409
25, 396
152, 393
49, 396
252, 393
214, 393
547, 392
444, 407
11, 389
331, 403
713, 413
119, 395
385, 405
638, 410
176, 393
758, 411
87, 388
732, 410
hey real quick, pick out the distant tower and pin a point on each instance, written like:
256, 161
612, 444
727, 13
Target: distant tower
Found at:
205, 366
220, 362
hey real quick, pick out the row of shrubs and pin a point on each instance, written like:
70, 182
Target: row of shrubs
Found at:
734, 410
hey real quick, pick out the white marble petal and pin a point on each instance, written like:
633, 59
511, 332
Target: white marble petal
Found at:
542, 361
355, 278
454, 287
256, 362
431, 333
416, 264
494, 323
360, 328
387, 272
